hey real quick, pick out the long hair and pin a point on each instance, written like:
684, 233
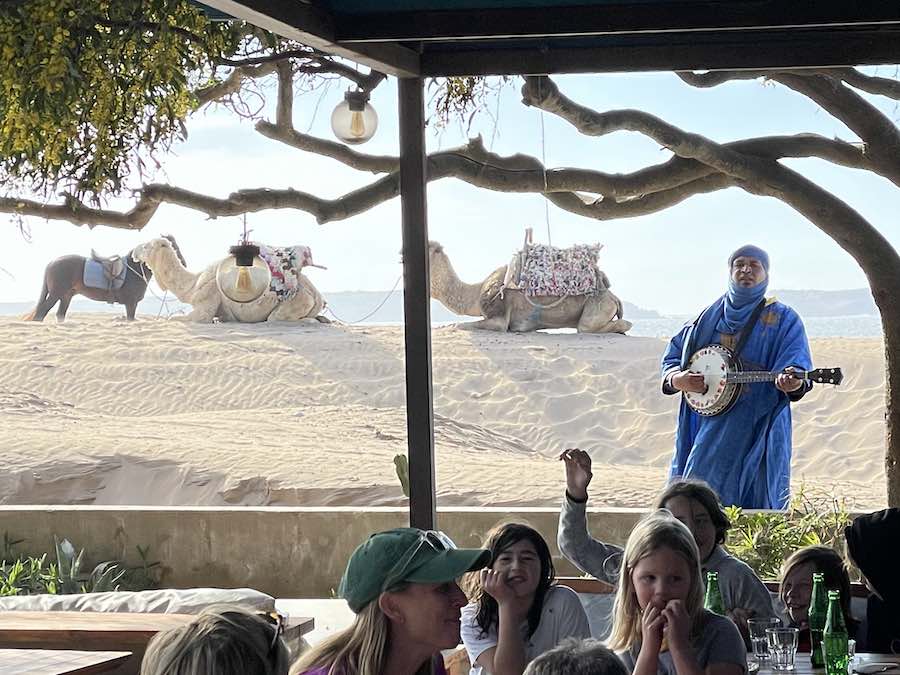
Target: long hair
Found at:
830, 563
500, 538
701, 492
655, 531
361, 649
224, 640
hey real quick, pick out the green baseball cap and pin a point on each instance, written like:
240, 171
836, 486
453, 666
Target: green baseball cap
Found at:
405, 555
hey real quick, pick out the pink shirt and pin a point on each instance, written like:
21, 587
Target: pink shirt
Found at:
438, 668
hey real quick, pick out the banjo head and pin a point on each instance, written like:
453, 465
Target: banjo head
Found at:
713, 362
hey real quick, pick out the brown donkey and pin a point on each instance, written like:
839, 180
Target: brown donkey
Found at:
64, 278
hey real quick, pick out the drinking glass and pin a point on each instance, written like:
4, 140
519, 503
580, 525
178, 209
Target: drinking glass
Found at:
758, 637
782, 647
851, 652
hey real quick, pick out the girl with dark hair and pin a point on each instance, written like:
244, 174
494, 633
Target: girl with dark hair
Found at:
692, 502
795, 589
517, 611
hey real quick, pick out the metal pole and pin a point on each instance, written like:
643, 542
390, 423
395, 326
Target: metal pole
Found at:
416, 304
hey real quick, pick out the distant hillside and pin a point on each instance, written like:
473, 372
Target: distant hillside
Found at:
854, 302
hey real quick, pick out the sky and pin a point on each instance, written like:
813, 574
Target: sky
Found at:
673, 261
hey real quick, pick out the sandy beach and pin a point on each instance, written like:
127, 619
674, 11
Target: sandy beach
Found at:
101, 411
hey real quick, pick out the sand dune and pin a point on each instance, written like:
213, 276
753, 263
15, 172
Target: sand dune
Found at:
100, 411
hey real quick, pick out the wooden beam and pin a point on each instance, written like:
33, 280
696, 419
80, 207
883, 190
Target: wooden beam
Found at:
416, 304
724, 51
314, 27
610, 18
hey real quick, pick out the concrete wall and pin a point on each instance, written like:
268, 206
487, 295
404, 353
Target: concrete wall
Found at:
286, 552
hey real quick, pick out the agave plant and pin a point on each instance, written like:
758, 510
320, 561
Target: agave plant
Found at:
401, 465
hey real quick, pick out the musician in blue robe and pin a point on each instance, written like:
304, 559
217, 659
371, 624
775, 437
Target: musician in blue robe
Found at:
745, 452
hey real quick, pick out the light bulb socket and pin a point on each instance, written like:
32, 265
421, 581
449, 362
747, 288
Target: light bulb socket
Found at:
356, 99
244, 254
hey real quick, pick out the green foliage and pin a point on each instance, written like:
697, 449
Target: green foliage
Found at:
764, 540
31, 575
89, 86
401, 465
462, 98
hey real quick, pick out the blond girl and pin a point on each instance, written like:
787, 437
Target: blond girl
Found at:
659, 624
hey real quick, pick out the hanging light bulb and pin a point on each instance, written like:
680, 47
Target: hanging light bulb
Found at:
243, 276
354, 120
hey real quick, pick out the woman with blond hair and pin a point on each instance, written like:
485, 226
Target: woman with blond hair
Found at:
659, 623
401, 584
220, 641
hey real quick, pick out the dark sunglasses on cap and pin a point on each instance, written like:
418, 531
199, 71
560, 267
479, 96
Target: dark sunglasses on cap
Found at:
437, 540
276, 621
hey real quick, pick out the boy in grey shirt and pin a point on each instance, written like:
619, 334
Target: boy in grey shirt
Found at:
692, 502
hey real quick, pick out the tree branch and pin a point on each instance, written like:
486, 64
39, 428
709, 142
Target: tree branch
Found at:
873, 127
232, 84
605, 209
825, 88
871, 84
284, 108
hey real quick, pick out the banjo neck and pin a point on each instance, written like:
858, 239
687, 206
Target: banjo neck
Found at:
748, 376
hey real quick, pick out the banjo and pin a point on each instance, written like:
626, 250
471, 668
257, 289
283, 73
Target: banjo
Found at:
724, 379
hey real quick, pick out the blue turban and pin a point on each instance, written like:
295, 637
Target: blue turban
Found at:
753, 252
739, 301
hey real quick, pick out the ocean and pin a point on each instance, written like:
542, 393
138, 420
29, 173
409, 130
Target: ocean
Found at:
373, 308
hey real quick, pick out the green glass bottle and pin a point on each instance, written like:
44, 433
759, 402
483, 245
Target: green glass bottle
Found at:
713, 598
835, 637
818, 614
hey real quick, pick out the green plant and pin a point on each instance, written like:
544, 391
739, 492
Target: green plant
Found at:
27, 576
31, 575
401, 465
764, 540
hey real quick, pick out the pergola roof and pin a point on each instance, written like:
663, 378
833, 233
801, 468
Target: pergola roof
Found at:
479, 37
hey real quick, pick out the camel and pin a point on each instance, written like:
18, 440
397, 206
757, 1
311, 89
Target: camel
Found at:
202, 292
514, 311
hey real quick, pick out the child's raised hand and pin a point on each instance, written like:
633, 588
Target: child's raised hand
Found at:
652, 624
677, 625
494, 584
578, 472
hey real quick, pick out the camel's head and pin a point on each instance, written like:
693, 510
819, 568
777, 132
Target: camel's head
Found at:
155, 253
434, 248
175, 246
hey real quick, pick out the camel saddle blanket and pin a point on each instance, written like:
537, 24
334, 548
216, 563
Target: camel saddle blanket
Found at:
285, 263
98, 275
541, 270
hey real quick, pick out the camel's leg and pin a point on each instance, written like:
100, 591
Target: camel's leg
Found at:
130, 309
496, 323
63, 307
205, 303
599, 316
298, 307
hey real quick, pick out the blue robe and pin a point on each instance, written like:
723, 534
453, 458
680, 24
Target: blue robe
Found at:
744, 453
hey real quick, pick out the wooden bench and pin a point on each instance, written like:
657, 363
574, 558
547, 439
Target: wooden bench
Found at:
104, 631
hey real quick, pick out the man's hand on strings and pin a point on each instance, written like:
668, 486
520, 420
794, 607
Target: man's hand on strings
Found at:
786, 381
688, 381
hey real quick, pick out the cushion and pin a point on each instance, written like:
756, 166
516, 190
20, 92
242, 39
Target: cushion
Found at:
161, 601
